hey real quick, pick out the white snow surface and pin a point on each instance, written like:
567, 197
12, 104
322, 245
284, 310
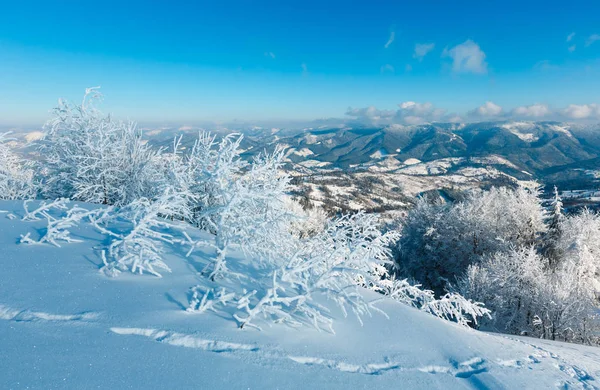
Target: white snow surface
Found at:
63, 324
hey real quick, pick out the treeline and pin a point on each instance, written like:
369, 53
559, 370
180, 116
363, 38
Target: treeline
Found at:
535, 268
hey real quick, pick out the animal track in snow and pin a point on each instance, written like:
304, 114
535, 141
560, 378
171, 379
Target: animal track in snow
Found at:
369, 369
9, 314
460, 370
185, 340
470, 367
582, 378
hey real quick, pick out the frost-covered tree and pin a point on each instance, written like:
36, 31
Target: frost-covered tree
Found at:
243, 204
16, 179
579, 246
527, 296
440, 240
92, 157
551, 247
509, 283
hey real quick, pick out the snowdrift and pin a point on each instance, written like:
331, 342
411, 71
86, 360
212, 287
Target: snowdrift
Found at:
64, 324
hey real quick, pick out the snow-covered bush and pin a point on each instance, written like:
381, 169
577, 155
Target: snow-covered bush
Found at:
92, 157
440, 240
137, 247
331, 264
243, 204
451, 307
16, 179
58, 227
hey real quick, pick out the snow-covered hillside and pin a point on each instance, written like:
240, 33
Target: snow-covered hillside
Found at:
64, 324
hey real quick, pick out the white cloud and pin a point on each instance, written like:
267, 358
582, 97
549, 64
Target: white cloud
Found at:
421, 50
391, 39
370, 113
572, 48
467, 58
419, 109
535, 111
408, 67
387, 68
410, 113
570, 37
593, 38
270, 54
489, 109
583, 111
413, 113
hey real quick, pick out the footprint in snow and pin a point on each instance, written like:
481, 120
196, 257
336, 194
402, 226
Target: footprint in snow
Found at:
9, 314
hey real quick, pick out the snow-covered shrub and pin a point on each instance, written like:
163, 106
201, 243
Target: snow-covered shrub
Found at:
92, 157
331, 264
42, 209
16, 179
569, 309
451, 307
244, 205
138, 247
57, 228
203, 300
440, 240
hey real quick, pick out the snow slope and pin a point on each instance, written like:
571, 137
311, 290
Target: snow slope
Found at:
63, 324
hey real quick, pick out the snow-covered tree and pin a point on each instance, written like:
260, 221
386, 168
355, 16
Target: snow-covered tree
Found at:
527, 296
440, 240
579, 246
309, 221
92, 157
552, 236
509, 283
16, 179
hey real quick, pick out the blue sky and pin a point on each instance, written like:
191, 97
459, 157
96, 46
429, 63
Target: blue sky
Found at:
186, 62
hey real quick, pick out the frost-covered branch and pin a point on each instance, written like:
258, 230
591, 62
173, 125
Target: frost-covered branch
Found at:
139, 248
58, 227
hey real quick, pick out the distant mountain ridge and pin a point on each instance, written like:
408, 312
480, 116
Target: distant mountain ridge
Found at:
548, 151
